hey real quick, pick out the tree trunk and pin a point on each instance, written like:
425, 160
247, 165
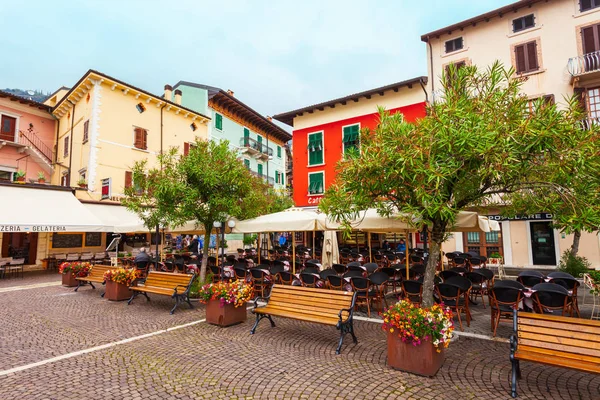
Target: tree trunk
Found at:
208, 229
435, 250
576, 239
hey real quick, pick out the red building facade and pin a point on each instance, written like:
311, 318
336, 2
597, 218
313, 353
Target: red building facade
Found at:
323, 132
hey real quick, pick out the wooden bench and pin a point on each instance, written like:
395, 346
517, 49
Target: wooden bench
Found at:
328, 307
167, 284
552, 340
96, 275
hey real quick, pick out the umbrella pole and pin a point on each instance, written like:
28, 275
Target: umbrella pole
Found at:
406, 258
313, 246
258, 246
369, 239
293, 252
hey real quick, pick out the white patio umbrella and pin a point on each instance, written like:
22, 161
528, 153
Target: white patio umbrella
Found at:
331, 254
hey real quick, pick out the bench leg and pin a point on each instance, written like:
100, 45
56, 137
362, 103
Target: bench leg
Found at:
187, 299
344, 329
78, 285
175, 306
133, 296
92, 285
515, 373
259, 317
352, 333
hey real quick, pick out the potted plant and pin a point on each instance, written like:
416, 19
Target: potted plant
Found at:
417, 337
82, 183
20, 176
495, 259
225, 302
118, 282
41, 177
72, 270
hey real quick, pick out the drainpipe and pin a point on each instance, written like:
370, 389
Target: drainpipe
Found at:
71, 141
431, 65
424, 90
56, 145
161, 167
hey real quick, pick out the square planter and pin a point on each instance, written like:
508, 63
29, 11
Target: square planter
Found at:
226, 314
422, 359
116, 291
69, 280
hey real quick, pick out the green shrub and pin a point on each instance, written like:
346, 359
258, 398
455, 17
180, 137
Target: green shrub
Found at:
197, 284
574, 265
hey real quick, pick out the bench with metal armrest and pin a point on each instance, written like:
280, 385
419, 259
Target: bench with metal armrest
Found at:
96, 275
176, 286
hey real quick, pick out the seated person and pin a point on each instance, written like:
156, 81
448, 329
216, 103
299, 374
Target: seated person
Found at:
142, 256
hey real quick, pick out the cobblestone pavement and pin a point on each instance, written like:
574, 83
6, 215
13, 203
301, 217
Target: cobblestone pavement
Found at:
294, 360
31, 278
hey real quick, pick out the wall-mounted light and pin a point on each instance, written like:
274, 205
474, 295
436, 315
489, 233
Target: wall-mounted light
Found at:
140, 107
193, 127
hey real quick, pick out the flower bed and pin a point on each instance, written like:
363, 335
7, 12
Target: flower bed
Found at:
72, 270
118, 282
225, 302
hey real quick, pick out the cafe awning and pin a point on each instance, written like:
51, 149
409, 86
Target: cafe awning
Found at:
32, 209
116, 218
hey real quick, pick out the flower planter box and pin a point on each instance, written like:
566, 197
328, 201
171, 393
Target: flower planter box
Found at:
494, 261
422, 359
116, 291
69, 280
225, 314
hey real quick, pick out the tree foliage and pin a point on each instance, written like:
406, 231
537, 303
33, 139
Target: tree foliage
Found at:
479, 142
209, 184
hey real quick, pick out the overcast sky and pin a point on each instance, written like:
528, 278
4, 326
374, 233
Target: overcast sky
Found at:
276, 55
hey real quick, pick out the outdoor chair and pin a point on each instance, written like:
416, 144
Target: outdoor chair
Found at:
211, 260
413, 291
416, 259
311, 270
240, 273
309, 279
216, 273
448, 274
345, 258
459, 270
339, 269
326, 272
450, 256
142, 267
417, 269
380, 260
312, 262
379, 282
530, 278
460, 262
260, 282
570, 284
355, 266
14, 266
394, 278
362, 287
371, 267
335, 282
550, 296
452, 296
465, 287
477, 286
504, 299
275, 269
352, 274
285, 278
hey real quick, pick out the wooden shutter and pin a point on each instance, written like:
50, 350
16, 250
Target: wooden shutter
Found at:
580, 94
66, 147
186, 148
144, 139
86, 126
128, 179
532, 59
520, 59
276, 176
279, 151
260, 169
137, 138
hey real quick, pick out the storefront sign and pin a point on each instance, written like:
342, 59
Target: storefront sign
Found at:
43, 228
314, 200
106, 183
528, 217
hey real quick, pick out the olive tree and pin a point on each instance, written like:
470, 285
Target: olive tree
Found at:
479, 142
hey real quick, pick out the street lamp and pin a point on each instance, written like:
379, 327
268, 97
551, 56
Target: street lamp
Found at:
221, 229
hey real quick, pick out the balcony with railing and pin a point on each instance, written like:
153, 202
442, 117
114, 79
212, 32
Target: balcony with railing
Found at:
587, 64
256, 148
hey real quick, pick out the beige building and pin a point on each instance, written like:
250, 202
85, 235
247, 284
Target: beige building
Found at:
555, 44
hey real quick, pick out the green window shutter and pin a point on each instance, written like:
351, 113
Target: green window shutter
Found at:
351, 137
260, 169
246, 136
247, 163
276, 176
219, 121
279, 151
259, 138
316, 183
281, 179
315, 149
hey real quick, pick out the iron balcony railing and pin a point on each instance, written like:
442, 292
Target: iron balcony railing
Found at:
31, 139
583, 64
256, 145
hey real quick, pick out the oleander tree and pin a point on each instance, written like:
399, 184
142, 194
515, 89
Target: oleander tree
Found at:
207, 185
479, 142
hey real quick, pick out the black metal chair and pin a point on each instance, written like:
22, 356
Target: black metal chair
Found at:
394, 277
504, 298
452, 296
335, 282
465, 287
339, 269
550, 296
353, 274
285, 278
417, 269
413, 291
379, 281
477, 285
260, 282
362, 287
142, 267
448, 274
355, 266
326, 272
530, 278
370, 267
308, 279
240, 273
571, 284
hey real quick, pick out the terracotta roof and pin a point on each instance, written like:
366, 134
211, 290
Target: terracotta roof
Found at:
160, 98
221, 96
513, 7
22, 100
288, 117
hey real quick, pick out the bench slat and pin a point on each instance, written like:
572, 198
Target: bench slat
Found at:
301, 317
573, 325
559, 347
560, 354
557, 361
324, 298
167, 292
91, 279
561, 333
566, 320
307, 310
575, 343
333, 304
321, 293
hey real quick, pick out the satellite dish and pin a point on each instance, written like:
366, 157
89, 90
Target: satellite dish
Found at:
30, 92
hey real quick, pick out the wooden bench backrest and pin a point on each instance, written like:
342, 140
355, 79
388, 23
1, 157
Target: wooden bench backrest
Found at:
297, 298
99, 270
559, 334
167, 280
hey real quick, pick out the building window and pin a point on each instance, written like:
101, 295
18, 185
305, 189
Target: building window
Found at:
219, 122
128, 179
316, 183
351, 137
526, 22
526, 57
451, 75
140, 140
454, 45
6, 175
281, 178
8, 128
83, 175
247, 163
533, 103
276, 176
259, 169
259, 140
65, 180
246, 137
585, 5
315, 148
279, 151
484, 244
86, 130
66, 147
590, 36
593, 106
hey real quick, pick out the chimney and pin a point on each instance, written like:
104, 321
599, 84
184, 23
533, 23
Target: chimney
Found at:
230, 92
178, 96
168, 91
270, 118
